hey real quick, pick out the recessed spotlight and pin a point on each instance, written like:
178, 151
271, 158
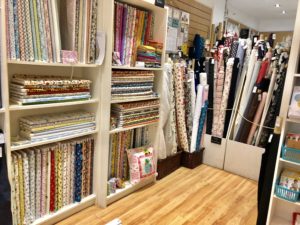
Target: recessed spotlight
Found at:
283, 12
277, 5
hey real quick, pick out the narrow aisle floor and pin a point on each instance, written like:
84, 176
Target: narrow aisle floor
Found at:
203, 196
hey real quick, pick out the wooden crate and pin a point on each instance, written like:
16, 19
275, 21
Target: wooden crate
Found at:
192, 160
168, 165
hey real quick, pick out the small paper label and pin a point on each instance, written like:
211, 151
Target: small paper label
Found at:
1, 138
0, 152
270, 138
254, 89
259, 97
216, 140
140, 64
255, 40
212, 61
274, 36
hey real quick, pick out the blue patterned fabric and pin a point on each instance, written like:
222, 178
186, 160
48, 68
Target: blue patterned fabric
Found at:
78, 172
201, 125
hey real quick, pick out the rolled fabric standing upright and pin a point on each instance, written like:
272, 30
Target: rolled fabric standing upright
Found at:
257, 117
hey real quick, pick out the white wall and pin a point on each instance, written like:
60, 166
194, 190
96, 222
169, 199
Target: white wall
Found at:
218, 7
242, 17
276, 25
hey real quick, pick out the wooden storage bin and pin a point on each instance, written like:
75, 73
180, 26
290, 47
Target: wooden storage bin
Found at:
192, 160
168, 165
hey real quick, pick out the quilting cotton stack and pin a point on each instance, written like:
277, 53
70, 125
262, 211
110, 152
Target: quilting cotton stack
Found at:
38, 89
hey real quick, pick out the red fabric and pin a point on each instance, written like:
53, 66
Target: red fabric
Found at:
52, 183
262, 72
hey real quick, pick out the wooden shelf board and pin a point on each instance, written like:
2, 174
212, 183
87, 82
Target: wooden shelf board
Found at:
293, 164
51, 105
15, 62
66, 211
133, 100
34, 144
130, 188
131, 128
135, 68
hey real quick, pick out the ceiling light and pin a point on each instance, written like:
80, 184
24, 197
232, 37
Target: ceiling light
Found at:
283, 12
277, 5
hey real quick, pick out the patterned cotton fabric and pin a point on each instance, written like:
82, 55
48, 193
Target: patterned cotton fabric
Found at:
32, 176
119, 143
40, 89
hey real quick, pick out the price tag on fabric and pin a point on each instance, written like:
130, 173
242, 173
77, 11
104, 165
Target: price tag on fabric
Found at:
259, 97
255, 40
254, 89
212, 61
274, 36
0, 152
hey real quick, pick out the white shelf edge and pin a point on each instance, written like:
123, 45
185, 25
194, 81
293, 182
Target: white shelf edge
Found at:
50, 105
297, 75
66, 211
281, 199
289, 162
114, 101
135, 68
2, 110
16, 62
130, 188
34, 144
131, 128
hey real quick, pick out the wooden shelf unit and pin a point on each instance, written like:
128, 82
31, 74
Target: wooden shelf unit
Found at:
160, 31
280, 211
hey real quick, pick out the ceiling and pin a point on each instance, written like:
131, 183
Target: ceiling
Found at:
265, 9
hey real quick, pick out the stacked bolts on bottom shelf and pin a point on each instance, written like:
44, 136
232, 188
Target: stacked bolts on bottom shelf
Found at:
47, 178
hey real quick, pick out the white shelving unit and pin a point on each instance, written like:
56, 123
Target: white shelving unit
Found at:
10, 113
160, 30
280, 211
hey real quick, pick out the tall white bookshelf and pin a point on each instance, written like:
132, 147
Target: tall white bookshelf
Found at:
160, 32
10, 113
280, 210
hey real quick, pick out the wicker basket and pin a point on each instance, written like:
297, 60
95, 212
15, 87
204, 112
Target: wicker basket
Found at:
286, 194
192, 160
168, 165
290, 154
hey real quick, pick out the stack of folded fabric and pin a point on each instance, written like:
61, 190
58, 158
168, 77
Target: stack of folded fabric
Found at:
158, 49
148, 55
56, 125
136, 113
39, 89
132, 84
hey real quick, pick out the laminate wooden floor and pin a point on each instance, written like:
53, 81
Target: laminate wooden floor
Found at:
203, 196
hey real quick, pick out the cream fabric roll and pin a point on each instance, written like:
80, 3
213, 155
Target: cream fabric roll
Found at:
249, 89
251, 64
257, 117
197, 117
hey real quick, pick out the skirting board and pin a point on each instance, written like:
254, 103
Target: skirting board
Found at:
214, 154
243, 159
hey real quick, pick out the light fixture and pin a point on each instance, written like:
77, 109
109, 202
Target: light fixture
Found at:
277, 5
283, 12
